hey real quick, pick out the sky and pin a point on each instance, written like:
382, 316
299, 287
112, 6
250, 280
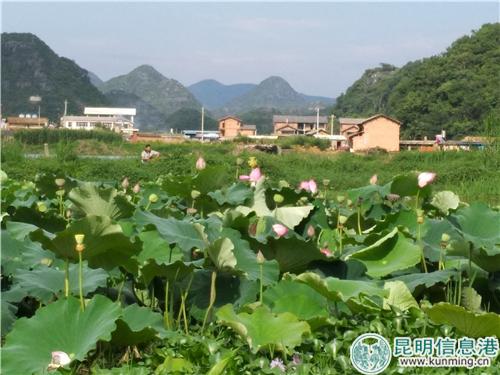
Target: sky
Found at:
319, 48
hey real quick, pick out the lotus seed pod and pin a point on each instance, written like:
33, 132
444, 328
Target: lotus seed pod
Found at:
349, 203
191, 211
340, 198
153, 198
278, 198
420, 219
445, 237
195, 194
80, 247
342, 219
283, 184
60, 182
326, 182
60, 193
79, 238
41, 206
260, 257
252, 162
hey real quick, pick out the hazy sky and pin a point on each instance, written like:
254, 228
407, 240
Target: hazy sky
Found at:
320, 48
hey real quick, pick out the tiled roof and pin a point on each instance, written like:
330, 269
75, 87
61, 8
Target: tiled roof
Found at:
248, 127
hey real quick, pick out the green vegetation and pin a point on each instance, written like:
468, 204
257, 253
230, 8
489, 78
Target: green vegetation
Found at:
454, 91
186, 274
473, 175
189, 119
30, 67
41, 136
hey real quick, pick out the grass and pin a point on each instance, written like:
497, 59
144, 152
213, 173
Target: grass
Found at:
474, 175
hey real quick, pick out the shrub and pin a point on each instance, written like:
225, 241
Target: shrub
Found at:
12, 151
40, 136
66, 151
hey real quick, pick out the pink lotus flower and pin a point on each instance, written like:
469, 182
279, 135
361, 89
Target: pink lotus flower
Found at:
200, 164
277, 363
425, 178
326, 252
255, 175
136, 188
309, 186
373, 180
125, 183
280, 230
310, 231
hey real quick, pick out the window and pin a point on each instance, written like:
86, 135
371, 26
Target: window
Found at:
81, 124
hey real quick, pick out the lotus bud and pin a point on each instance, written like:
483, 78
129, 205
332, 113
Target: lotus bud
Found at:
342, 219
191, 211
310, 231
278, 198
46, 261
260, 257
373, 180
69, 213
304, 200
326, 182
304, 185
137, 188
60, 192
280, 230
59, 359
60, 182
239, 161
445, 237
153, 198
200, 164
349, 203
195, 194
283, 184
79, 238
425, 179
313, 187
252, 162
340, 198
326, 252
41, 206
125, 183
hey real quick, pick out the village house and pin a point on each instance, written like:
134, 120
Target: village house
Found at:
378, 131
231, 126
24, 122
285, 125
120, 120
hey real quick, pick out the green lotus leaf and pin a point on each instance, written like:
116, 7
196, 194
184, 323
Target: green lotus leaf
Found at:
45, 184
468, 323
263, 329
221, 254
45, 283
60, 326
126, 370
292, 216
480, 225
20, 231
90, 199
259, 205
342, 290
8, 316
105, 244
393, 252
471, 299
407, 186
155, 247
246, 259
236, 194
299, 299
399, 296
367, 192
292, 254
412, 281
445, 201
183, 233
137, 324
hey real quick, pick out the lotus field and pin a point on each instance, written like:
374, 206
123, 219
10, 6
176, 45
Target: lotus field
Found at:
184, 276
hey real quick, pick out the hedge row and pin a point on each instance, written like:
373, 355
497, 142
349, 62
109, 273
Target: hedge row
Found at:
40, 136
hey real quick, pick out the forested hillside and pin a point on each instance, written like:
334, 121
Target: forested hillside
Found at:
30, 67
455, 90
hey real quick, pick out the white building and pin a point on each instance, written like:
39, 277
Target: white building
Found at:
120, 120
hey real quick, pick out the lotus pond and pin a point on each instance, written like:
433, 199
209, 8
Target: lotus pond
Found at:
185, 275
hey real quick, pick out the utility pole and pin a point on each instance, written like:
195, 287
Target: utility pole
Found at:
317, 120
65, 107
202, 123
332, 117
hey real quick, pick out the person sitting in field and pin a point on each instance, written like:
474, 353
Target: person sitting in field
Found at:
149, 154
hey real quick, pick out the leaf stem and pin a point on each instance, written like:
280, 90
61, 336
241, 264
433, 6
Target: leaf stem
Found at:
80, 280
